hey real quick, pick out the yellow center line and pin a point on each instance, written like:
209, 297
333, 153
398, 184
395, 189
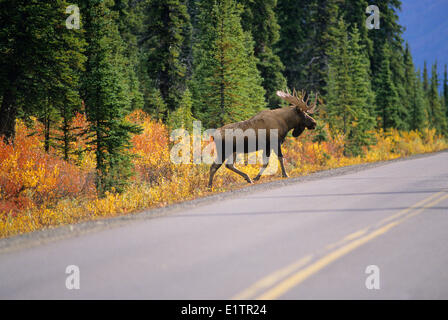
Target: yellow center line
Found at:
402, 212
305, 273
272, 279
278, 275
351, 236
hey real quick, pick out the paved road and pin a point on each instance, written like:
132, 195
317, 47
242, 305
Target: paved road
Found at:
311, 240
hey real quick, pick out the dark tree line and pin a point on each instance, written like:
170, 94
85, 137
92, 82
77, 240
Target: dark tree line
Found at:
215, 60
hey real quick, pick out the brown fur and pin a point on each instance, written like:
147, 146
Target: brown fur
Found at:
283, 119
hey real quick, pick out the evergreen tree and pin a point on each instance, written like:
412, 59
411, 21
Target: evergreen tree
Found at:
387, 97
425, 78
260, 20
340, 90
414, 101
397, 67
350, 98
321, 41
418, 117
388, 34
226, 84
182, 117
364, 97
156, 106
130, 23
437, 116
292, 47
106, 95
425, 86
354, 13
40, 60
67, 57
164, 43
445, 90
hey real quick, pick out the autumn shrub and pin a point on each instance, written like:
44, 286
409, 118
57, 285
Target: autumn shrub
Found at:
30, 177
39, 190
150, 149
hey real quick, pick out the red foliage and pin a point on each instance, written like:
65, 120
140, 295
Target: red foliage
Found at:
30, 177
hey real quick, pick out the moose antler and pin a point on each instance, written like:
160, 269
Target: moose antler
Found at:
297, 101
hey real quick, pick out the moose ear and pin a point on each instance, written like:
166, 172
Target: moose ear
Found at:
298, 131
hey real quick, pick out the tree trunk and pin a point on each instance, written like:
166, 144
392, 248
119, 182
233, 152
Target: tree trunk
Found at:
47, 133
8, 114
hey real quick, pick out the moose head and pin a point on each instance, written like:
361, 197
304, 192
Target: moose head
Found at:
303, 109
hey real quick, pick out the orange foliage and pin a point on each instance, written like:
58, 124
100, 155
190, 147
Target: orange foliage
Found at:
39, 190
151, 148
30, 178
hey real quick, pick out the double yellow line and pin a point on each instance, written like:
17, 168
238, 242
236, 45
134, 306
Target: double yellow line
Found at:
279, 282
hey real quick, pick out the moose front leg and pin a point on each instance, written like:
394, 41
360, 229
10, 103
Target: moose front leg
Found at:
281, 160
284, 174
265, 165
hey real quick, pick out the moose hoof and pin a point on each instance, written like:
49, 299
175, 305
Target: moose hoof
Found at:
285, 176
256, 178
249, 181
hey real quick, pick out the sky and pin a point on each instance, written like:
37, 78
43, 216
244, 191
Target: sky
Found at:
426, 30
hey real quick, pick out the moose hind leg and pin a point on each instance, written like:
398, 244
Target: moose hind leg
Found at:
264, 166
261, 172
214, 167
231, 167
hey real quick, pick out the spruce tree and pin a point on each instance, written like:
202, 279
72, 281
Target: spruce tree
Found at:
106, 95
67, 56
293, 45
349, 95
445, 90
156, 106
437, 115
389, 34
418, 117
259, 18
425, 87
166, 37
130, 23
364, 97
354, 13
340, 89
387, 100
397, 67
226, 84
414, 101
40, 60
321, 41
182, 117
425, 78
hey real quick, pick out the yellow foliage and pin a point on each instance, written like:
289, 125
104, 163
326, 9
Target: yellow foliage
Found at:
160, 182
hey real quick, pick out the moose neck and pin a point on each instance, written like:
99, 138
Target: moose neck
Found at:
292, 119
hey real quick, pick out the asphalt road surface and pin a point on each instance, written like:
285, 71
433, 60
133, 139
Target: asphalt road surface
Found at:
309, 240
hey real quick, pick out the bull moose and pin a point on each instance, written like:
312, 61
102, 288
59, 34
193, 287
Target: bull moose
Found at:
264, 125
